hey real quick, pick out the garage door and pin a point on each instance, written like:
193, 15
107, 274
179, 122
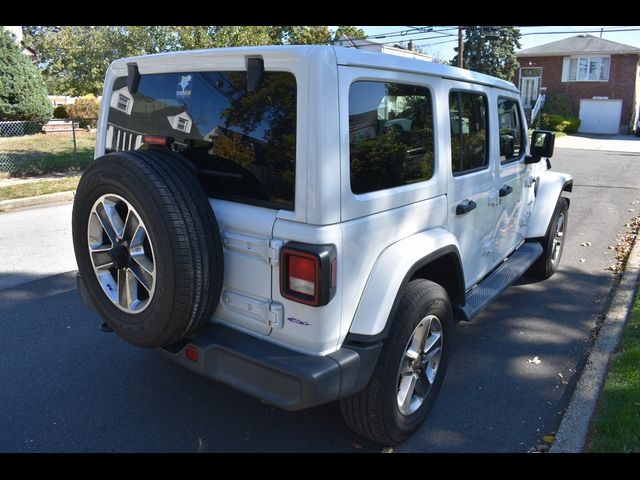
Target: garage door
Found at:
600, 116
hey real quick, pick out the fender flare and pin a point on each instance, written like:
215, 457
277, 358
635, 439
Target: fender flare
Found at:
393, 269
549, 187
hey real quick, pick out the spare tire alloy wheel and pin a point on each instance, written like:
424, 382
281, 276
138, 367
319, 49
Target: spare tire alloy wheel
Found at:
121, 253
148, 246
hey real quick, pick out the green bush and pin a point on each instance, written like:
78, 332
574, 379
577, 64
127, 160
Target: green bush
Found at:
23, 94
60, 112
558, 104
573, 123
551, 122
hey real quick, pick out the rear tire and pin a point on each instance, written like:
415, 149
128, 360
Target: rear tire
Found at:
161, 284
553, 242
410, 370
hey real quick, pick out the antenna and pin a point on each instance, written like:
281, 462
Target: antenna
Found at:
352, 42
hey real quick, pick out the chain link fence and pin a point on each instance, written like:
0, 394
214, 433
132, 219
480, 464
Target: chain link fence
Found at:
37, 147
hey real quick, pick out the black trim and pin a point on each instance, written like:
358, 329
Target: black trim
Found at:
133, 77
357, 338
277, 375
568, 186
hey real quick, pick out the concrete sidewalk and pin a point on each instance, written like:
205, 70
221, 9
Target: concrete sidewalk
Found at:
609, 143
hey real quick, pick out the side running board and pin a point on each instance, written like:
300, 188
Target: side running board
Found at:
494, 284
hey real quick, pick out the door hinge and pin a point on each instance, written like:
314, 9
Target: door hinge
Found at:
273, 251
276, 315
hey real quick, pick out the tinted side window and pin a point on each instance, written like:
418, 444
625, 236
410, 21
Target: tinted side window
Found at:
469, 141
242, 145
511, 129
390, 135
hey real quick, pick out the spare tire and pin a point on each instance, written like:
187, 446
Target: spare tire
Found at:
147, 246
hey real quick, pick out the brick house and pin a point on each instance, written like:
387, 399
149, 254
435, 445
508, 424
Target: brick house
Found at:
601, 78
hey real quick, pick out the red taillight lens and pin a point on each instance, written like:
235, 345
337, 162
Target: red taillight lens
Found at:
302, 275
308, 273
156, 140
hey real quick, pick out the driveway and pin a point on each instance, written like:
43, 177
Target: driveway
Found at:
593, 141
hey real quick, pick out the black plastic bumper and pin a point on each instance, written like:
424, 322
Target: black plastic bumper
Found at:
279, 376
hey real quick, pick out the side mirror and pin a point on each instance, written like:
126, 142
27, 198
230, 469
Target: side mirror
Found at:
542, 142
255, 73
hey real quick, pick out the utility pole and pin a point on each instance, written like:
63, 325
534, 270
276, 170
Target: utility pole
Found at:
460, 48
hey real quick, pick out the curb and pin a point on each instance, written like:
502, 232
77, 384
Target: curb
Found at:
38, 200
574, 427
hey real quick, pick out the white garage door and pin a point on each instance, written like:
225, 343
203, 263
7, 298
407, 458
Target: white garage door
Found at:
600, 116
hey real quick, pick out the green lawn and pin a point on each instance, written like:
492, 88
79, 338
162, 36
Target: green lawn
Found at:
42, 153
32, 189
616, 427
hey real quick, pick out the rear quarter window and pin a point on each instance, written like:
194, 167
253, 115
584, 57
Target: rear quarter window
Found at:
390, 135
243, 145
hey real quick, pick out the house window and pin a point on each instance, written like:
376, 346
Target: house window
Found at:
123, 102
182, 124
531, 72
589, 69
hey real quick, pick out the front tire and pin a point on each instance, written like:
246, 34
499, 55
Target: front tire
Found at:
553, 242
410, 370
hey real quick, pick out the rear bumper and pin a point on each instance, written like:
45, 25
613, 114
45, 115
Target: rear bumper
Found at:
287, 379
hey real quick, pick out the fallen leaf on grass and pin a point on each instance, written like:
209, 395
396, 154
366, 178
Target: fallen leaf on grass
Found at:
535, 360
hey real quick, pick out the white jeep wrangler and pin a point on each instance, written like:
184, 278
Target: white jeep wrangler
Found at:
307, 223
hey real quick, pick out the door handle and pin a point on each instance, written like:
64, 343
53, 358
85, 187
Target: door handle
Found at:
505, 190
465, 207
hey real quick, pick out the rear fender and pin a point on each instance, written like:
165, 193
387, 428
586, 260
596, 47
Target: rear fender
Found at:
394, 268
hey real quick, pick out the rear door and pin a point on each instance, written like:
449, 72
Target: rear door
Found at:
249, 256
511, 172
470, 188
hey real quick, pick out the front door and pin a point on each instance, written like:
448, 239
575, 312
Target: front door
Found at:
510, 181
529, 88
471, 193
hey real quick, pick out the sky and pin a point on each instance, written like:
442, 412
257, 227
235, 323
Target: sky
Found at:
442, 44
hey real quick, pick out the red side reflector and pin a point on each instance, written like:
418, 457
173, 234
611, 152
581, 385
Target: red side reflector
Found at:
191, 353
155, 140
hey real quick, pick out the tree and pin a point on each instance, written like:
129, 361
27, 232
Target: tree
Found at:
491, 50
353, 33
85, 109
74, 59
23, 94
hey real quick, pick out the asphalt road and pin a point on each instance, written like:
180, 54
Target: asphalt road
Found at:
65, 386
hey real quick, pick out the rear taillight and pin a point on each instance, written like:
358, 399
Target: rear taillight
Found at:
308, 273
157, 140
